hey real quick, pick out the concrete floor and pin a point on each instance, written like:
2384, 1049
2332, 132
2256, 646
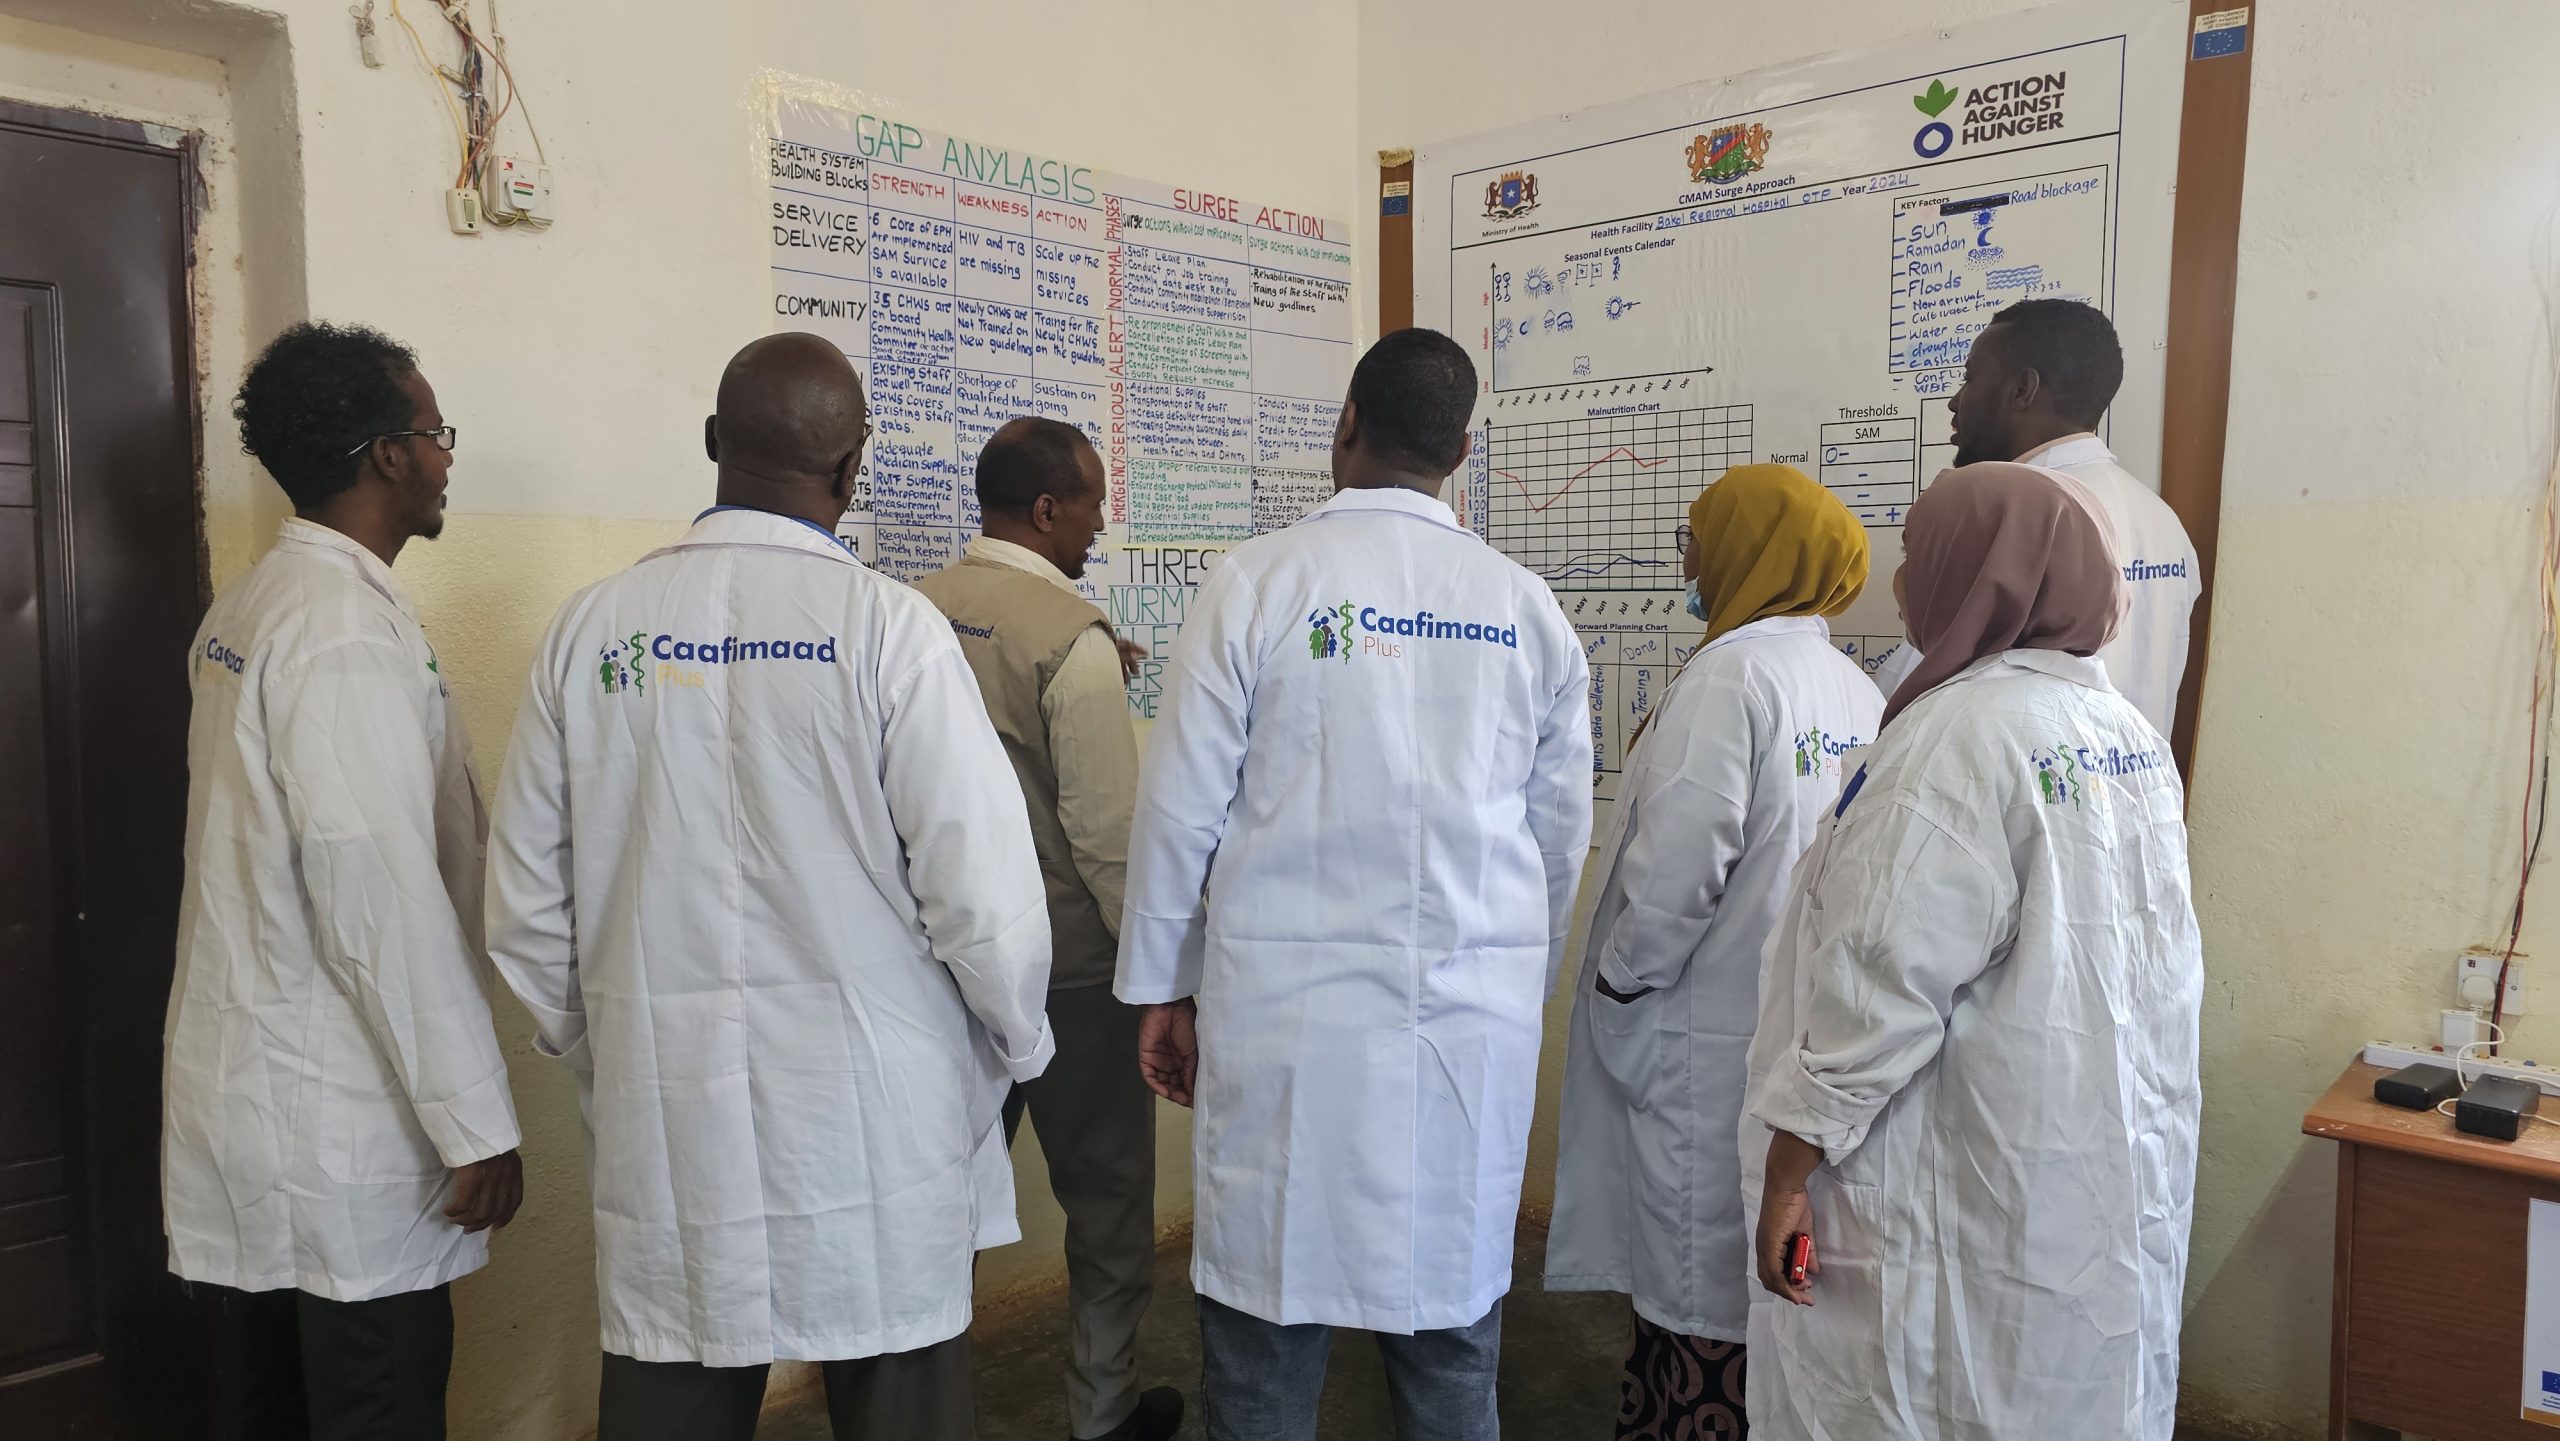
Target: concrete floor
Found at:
1561, 1360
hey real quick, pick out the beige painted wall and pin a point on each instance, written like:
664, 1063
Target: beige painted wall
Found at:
2355, 802
575, 361
2356, 809
2355, 806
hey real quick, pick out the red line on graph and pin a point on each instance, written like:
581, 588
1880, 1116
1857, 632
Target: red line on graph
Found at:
1536, 505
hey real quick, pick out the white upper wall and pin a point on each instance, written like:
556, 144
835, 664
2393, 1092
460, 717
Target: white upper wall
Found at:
2397, 253
575, 359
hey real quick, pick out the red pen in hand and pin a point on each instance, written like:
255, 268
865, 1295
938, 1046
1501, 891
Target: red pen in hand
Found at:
1799, 1257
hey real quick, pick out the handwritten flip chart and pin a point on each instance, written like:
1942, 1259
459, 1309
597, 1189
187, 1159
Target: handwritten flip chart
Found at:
1201, 340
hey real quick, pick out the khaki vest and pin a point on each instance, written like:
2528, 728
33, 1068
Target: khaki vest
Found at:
1016, 629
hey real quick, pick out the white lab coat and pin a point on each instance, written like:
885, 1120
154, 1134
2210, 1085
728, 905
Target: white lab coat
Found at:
1387, 822
329, 1059
1982, 1004
1722, 795
2147, 661
761, 874
1894, 667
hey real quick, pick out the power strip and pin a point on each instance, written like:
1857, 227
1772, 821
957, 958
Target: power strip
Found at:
2394, 1055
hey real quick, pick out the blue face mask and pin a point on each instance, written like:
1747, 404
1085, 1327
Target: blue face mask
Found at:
1697, 602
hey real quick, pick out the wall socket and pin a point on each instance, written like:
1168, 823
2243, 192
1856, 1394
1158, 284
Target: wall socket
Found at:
2475, 980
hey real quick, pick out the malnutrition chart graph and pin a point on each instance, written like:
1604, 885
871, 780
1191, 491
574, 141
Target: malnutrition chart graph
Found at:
1598, 503
1787, 267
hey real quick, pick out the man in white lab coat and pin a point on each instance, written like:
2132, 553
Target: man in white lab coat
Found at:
2037, 382
762, 876
1051, 672
1355, 852
337, 1133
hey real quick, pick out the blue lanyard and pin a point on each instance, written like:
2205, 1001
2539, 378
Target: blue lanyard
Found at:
1849, 793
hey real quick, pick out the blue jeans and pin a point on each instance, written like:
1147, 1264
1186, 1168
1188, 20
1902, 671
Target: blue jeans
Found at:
1259, 1381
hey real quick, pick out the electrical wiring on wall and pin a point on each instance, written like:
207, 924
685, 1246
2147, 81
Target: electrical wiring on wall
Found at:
476, 105
2536, 807
418, 45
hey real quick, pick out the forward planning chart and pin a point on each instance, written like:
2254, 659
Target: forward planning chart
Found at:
1786, 267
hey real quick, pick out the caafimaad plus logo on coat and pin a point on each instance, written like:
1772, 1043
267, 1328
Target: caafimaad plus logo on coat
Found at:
622, 665
1819, 752
627, 665
2057, 775
1335, 630
221, 656
1809, 756
1808, 751
1329, 632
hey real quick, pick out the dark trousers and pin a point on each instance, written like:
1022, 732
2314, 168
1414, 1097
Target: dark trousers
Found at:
1097, 1125
1260, 1381
1682, 1388
300, 1368
919, 1395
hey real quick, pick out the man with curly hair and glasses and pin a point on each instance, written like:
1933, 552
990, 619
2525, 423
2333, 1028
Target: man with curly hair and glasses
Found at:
338, 1139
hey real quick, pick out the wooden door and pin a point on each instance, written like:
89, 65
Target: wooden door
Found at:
101, 586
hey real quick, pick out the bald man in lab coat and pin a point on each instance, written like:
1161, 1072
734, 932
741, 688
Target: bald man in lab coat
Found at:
763, 877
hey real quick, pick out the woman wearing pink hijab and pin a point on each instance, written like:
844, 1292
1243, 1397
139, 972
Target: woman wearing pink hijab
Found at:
1977, 1045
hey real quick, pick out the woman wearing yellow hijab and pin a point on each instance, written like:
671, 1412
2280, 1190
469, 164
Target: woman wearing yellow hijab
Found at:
1721, 795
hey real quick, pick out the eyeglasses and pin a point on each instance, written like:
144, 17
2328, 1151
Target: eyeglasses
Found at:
442, 434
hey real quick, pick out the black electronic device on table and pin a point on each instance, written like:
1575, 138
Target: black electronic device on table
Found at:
2417, 1088
2496, 1108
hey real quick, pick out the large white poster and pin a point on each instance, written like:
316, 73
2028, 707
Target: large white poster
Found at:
1203, 341
1786, 266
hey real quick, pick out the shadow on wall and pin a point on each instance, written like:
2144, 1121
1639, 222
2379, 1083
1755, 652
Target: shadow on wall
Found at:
2251, 1306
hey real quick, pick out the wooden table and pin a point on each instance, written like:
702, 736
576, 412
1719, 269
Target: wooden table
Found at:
2426, 1328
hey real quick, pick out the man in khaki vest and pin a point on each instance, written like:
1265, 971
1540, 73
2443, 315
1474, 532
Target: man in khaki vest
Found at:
1050, 670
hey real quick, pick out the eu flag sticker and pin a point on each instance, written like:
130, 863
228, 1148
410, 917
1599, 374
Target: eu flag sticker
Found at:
2551, 1385
2221, 32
